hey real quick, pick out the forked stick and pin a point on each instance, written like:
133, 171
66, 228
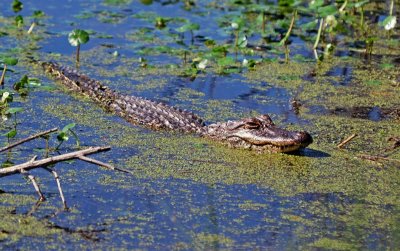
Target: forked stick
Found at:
57, 178
43, 163
48, 161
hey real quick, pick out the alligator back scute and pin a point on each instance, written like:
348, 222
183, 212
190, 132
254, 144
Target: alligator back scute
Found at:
136, 110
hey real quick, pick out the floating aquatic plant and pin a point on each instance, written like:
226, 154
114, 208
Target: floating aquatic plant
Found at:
17, 6
189, 27
390, 21
5, 98
63, 135
76, 38
19, 21
249, 63
6, 61
24, 83
11, 112
10, 134
161, 22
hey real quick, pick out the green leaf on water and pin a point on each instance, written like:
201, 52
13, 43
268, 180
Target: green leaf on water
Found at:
188, 27
242, 42
316, 4
10, 61
68, 127
313, 25
22, 83
24, 79
161, 22
77, 37
19, 20
62, 136
17, 6
389, 22
327, 10
226, 61
38, 14
10, 134
219, 51
34, 82
14, 110
360, 4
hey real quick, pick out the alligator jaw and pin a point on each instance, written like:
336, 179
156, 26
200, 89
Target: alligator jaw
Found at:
259, 134
291, 141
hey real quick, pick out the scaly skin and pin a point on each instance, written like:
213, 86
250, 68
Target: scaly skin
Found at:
256, 133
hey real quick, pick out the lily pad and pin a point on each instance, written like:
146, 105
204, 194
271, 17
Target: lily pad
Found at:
77, 37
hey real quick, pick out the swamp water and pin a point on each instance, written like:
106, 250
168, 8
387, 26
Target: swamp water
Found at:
186, 192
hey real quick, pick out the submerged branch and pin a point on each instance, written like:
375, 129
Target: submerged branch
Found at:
377, 158
43, 163
34, 183
57, 178
99, 163
48, 161
347, 140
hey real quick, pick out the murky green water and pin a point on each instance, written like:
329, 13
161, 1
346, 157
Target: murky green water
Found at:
186, 192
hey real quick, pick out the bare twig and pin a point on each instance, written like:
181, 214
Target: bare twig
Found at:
377, 158
33, 180
35, 185
3, 75
48, 161
347, 140
31, 28
108, 166
43, 163
28, 139
57, 178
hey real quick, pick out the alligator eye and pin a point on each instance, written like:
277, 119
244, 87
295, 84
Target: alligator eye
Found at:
255, 124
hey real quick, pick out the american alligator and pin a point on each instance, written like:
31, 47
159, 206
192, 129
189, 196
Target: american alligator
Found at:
257, 133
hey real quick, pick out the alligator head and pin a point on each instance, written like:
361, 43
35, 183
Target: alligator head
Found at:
258, 133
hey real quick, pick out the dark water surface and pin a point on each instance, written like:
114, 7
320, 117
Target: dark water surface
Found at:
188, 193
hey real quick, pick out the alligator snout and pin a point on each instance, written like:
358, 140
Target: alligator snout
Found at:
304, 138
